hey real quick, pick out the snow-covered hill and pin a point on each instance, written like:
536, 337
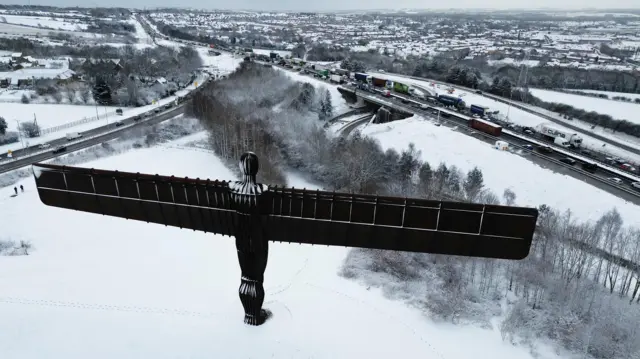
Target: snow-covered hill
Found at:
104, 287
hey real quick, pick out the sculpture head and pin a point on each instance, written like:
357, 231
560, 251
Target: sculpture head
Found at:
249, 164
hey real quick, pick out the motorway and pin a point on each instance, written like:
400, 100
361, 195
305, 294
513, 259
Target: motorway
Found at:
531, 109
91, 138
549, 161
599, 179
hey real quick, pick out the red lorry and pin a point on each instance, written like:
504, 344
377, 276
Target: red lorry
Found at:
485, 126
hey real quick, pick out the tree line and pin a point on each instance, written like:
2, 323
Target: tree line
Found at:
567, 289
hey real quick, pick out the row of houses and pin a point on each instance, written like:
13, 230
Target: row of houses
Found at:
22, 71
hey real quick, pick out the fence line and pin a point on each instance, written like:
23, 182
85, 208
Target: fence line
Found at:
46, 131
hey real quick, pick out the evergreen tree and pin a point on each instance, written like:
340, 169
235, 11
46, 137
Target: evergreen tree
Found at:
102, 92
425, 174
453, 180
474, 183
3, 126
408, 163
328, 106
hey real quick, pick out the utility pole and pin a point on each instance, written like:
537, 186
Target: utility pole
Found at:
20, 134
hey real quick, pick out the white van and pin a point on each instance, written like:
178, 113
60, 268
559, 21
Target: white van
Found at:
502, 145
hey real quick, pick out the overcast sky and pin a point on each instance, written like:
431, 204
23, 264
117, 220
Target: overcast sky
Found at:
328, 5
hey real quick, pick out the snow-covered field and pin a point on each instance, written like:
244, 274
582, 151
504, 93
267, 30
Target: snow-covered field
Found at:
532, 184
20, 30
50, 115
611, 94
45, 22
104, 287
617, 109
223, 64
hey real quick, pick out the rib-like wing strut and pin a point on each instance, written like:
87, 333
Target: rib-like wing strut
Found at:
296, 216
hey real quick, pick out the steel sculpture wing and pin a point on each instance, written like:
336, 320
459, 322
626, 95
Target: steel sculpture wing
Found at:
295, 215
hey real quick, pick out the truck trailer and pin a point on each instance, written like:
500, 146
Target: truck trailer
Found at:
377, 82
573, 139
485, 126
451, 101
336, 78
478, 110
401, 88
362, 77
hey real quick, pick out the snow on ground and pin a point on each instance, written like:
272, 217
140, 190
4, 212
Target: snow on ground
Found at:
223, 64
525, 118
44, 22
104, 287
141, 34
60, 117
336, 126
50, 115
611, 94
20, 30
617, 109
339, 103
532, 184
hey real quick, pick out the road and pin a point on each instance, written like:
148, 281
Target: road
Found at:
129, 125
531, 109
346, 130
599, 179
550, 161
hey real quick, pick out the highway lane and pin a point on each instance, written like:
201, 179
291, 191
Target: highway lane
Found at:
531, 109
98, 134
599, 158
346, 130
550, 161
546, 160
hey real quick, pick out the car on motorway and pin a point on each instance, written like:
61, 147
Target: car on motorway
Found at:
119, 112
636, 185
589, 167
119, 123
479, 92
615, 180
568, 160
528, 147
157, 109
44, 146
545, 149
59, 149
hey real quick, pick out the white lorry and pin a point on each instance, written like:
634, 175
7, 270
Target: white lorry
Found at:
73, 135
559, 137
336, 78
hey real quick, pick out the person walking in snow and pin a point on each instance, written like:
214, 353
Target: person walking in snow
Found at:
21, 189
15, 190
